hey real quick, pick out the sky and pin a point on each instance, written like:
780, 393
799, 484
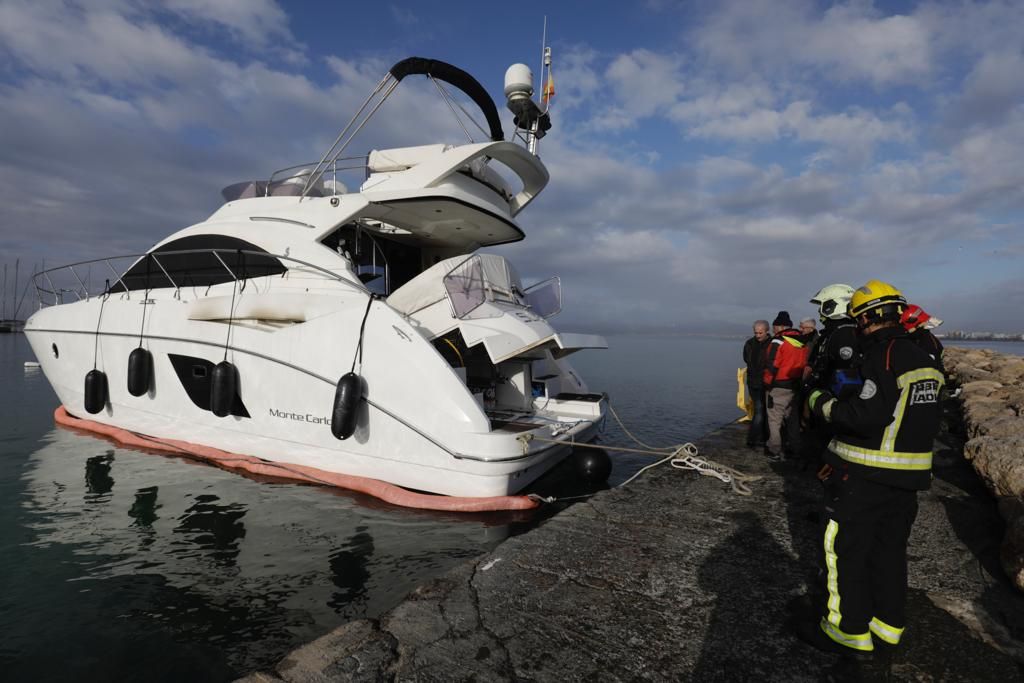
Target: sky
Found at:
711, 163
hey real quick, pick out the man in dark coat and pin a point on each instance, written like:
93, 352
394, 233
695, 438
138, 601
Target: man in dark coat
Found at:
754, 351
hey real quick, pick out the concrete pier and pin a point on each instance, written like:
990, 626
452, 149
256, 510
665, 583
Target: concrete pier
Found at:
676, 577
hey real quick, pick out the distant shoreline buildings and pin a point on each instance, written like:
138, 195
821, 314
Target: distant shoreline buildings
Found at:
981, 336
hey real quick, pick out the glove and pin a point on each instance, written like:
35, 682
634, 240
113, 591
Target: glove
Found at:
820, 404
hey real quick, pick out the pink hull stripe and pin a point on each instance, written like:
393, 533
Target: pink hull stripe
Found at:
390, 493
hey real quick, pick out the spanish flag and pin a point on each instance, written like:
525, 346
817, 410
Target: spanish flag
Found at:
549, 89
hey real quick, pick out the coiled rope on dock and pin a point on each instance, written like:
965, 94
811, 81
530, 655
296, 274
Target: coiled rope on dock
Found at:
681, 456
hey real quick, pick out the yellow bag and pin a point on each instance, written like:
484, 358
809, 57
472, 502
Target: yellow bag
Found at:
743, 401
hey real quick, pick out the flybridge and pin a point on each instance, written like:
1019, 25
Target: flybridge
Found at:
450, 197
428, 166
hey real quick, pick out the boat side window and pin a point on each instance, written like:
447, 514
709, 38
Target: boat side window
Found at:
382, 263
200, 267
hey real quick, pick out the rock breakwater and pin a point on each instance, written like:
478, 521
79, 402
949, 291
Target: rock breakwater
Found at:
992, 396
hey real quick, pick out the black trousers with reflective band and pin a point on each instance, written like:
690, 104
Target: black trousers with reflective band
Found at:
864, 558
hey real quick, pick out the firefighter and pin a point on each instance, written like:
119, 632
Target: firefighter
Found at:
833, 363
919, 326
879, 459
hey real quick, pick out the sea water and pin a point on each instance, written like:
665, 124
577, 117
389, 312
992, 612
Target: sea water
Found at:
121, 565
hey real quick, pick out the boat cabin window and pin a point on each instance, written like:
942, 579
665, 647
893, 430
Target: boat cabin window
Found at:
382, 263
199, 266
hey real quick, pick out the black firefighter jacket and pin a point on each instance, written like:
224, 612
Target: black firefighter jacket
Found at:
886, 433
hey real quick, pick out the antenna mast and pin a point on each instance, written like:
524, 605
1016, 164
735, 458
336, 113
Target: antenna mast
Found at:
545, 53
545, 63
519, 90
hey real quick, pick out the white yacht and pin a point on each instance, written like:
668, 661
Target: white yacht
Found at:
355, 332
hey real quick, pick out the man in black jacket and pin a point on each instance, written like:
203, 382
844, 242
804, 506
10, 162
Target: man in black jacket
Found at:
880, 458
754, 351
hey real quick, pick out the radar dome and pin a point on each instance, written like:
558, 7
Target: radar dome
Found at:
518, 81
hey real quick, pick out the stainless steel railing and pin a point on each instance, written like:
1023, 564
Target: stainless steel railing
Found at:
163, 273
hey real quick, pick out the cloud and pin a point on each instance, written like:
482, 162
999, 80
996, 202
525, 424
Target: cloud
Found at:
991, 93
716, 101
101, 47
696, 183
645, 81
114, 110
848, 40
989, 161
577, 80
260, 23
996, 308
642, 83
853, 129
403, 16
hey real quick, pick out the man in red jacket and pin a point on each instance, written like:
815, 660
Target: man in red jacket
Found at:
784, 366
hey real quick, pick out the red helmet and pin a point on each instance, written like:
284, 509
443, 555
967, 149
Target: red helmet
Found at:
913, 317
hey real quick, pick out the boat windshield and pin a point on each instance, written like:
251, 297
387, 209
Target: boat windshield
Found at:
489, 278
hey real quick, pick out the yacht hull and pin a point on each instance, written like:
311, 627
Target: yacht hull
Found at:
418, 426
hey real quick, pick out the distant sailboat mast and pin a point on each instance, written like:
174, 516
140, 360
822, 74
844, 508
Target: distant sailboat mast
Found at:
14, 312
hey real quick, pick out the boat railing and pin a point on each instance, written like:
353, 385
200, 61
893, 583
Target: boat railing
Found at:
468, 286
196, 269
290, 181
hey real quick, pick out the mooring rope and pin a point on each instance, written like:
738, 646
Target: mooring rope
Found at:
682, 457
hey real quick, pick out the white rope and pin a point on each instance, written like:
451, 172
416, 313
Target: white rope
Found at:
684, 457
681, 457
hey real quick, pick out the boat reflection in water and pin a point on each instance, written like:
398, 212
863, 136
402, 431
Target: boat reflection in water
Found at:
162, 562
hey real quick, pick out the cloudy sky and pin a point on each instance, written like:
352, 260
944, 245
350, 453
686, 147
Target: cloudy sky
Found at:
711, 163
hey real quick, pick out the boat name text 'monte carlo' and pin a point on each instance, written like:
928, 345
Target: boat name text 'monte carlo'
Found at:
351, 332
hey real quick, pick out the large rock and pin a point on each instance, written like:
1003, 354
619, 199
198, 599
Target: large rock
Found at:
1000, 462
980, 388
1009, 370
1015, 399
971, 373
993, 406
1011, 554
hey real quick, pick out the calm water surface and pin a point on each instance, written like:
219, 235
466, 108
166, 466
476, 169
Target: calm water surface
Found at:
122, 565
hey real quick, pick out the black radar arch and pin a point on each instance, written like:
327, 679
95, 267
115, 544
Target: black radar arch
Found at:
457, 77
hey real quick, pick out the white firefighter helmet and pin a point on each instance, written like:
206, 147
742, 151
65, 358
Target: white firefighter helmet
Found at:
832, 301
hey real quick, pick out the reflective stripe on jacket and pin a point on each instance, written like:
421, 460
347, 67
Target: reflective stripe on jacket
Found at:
887, 431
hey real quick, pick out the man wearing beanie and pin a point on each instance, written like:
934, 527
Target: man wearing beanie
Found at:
784, 366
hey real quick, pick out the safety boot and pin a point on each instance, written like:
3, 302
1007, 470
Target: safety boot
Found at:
810, 632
